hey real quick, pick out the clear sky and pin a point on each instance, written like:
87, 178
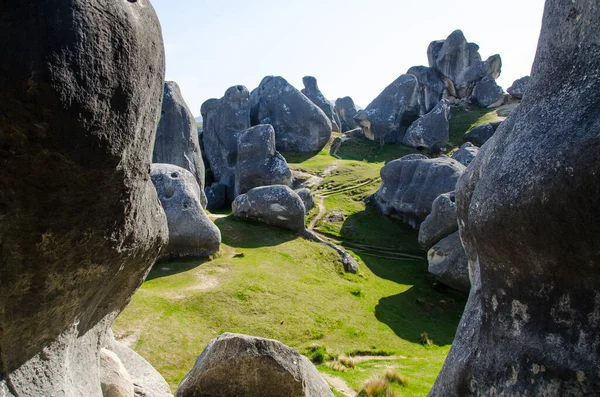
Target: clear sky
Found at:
352, 47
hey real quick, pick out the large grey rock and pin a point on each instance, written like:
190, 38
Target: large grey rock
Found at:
235, 365
431, 130
487, 93
177, 136
441, 222
80, 100
469, 77
216, 196
347, 110
224, 120
191, 232
432, 85
411, 184
529, 219
258, 163
453, 55
312, 92
307, 198
387, 118
519, 87
466, 153
482, 133
300, 126
276, 205
114, 378
448, 263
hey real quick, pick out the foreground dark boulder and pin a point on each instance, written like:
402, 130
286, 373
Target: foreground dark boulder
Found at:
410, 185
177, 136
528, 212
300, 126
191, 232
430, 131
346, 110
312, 92
386, 119
235, 365
79, 105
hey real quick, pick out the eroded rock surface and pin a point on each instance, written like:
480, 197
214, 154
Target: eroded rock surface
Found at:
448, 263
466, 153
346, 109
529, 219
482, 133
441, 222
519, 87
430, 131
312, 92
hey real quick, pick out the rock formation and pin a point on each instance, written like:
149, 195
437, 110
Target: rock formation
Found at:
258, 163
431, 87
346, 109
312, 92
466, 153
80, 100
453, 55
482, 133
191, 232
441, 222
469, 77
430, 132
386, 119
300, 126
519, 87
307, 198
411, 184
529, 219
487, 93
177, 136
448, 263
275, 205
235, 365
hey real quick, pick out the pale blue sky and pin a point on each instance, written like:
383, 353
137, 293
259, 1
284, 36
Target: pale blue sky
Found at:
352, 47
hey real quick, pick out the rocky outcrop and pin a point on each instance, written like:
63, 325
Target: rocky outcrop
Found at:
441, 222
448, 263
224, 120
346, 110
300, 126
466, 153
191, 232
386, 119
529, 219
430, 132
411, 184
235, 365
177, 136
469, 77
431, 87
307, 198
482, 133
80, 100
258, 163
312, 92
519, 87
276, 205
487, 93
453, 55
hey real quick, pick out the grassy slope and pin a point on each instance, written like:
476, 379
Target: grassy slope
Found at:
292, 290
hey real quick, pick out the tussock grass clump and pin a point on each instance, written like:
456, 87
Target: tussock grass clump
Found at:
394, 376
377, 387
373, 352
338, 366
425, 341
346, 361
316, 353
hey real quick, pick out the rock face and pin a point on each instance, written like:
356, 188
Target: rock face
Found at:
487, 93
411, 184
258, 164
224, 120
481, 134
276, 205
529, 219
387, 118
453, 55
519, 87
191, 232
300, 126
469, 77
430, 131
466, 153
441, 222
177, 136
79, 106
346, 109
448, 263
312, 92
114, 378
432, 85
235, 365
307, 198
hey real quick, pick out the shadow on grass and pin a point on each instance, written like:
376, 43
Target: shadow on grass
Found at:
294, 157
246, 234
362, 149
166, 268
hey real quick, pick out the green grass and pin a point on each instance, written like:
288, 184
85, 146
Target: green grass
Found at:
287, 288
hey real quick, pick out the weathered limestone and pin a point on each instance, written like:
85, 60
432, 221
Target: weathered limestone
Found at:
312, 92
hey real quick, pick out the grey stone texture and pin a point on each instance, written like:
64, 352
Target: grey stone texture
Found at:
441, 222
519, 87
466, 153
482, 133
448, 263
346, 110
430, 131
307, 198
487, 93
311, 91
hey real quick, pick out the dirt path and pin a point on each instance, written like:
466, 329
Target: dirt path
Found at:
339, 385
319, 201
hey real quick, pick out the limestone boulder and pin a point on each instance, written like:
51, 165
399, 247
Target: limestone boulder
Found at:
80, 100
482, 133
430, 131
311, 91
487, 93
431, 87
453, 55
441, 222
300, 125
258, 163
114, 378
469, 77
235, 365
276, 205
216, 196
448, 263
386, 119
466, 153
519, 87
346, 109
529, 220
411, 184
307, 198
177, 136
191, 232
